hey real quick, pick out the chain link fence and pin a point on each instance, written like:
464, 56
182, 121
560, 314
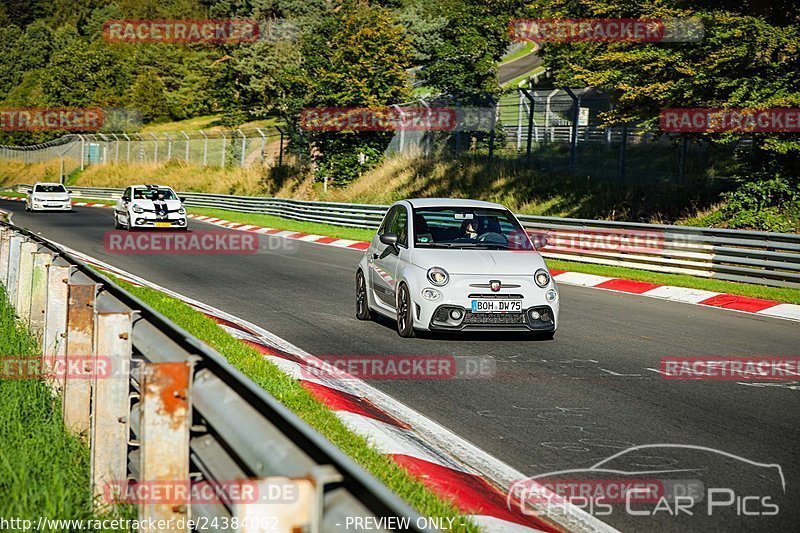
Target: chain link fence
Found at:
558, 130
216, 148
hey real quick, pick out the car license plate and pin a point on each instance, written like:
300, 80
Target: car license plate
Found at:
497, 306
163, 225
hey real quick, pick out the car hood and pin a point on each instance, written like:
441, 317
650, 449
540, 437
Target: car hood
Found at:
150, 204
51, 195
481, 262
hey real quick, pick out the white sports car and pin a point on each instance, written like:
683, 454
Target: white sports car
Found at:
455, 265
48, 197
150, 206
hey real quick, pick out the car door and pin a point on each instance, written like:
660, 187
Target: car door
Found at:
122, 205
385, 265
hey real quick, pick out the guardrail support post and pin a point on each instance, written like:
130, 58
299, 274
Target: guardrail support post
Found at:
164, 435
38, 303
80, 342
5, 242
15, 245
25, 281
109, 422
55, 316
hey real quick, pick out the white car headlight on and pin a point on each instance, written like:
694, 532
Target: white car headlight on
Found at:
431, 294
542, 278
438, 276
137, 209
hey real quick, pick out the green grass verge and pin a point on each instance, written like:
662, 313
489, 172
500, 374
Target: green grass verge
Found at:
271, 221
679, 280
292, 394
515, 81
44, 471
525, 50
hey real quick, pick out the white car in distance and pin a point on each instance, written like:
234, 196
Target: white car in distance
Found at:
48, 197
456, 265
150, 207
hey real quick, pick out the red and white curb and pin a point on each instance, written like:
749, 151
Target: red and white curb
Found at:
731, 302
453, 468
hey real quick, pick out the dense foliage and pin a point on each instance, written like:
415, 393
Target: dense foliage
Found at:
748, 58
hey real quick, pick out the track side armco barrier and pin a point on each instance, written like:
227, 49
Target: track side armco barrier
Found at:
734, 255
171, 426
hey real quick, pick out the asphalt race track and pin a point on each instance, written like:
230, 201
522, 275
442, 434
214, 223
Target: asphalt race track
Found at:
561, 404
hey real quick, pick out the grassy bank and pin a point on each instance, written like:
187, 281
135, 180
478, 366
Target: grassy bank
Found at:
44, 471
289, 392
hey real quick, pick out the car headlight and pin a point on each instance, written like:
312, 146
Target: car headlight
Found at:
137, 209
181, 211
551, 295
542, 278
438, 276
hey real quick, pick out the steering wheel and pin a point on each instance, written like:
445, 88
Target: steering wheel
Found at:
492, 238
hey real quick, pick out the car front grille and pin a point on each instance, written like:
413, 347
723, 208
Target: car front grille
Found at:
494, 318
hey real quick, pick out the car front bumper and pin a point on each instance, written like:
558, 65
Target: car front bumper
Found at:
452, 311
147, 220
51, 206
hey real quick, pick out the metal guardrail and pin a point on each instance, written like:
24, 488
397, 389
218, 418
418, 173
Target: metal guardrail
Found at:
734, 255
171, 412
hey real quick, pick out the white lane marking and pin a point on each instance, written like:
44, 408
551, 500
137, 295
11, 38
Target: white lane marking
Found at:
577, 278
790, 311
680, 294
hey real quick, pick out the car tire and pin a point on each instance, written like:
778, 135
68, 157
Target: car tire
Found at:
405, 319
117, 225
362, 302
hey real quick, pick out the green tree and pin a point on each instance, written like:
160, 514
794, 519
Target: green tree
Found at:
747, 58
148, 97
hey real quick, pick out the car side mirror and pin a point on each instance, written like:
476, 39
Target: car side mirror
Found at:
182, 199
390, 239
539, 241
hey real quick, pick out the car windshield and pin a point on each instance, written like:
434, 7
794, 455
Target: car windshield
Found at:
154, 194
468, 227
50, 188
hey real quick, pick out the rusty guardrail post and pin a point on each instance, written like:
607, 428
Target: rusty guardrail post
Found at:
164, 436
109, 421
38, 303
80, 347
25, 281
55, 318
13, 266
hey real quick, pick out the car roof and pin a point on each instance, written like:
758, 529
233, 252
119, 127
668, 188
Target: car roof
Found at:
47, 183
451, 202
151, 186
